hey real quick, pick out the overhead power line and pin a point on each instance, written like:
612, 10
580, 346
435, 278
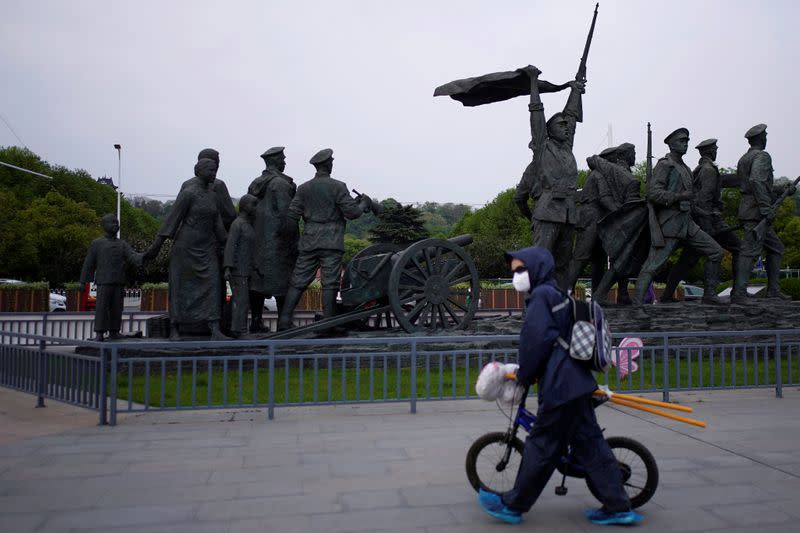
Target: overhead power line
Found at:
12, 130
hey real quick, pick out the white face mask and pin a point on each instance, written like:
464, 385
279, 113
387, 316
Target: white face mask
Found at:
521, 281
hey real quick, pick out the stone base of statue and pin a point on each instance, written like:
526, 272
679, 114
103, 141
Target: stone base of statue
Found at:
758, 314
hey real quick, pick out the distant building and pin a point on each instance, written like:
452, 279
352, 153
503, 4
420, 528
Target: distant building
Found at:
105, 180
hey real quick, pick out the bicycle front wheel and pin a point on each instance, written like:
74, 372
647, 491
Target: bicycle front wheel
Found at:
638, 467
493, 462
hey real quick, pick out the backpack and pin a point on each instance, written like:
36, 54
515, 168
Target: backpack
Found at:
590, 338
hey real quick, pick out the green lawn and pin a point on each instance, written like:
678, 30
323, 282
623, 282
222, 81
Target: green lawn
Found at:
711, 372
335, 384
291, 385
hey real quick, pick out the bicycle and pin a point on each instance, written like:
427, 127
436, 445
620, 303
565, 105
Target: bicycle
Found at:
494, 458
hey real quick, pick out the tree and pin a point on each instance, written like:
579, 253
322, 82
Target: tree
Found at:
59, 230
43, 218
495, 228
398, 224
351, 247
17, 254
359, 228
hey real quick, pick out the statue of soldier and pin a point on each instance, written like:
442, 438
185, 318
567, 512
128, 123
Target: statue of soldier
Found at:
707, 213
618, 192
591, 208
669, 197
551, 178
276, 235
757, 210
324, 204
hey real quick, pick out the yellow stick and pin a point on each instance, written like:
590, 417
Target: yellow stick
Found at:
683, 419
648, 401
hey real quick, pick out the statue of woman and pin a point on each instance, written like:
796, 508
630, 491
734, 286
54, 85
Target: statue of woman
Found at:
195, 226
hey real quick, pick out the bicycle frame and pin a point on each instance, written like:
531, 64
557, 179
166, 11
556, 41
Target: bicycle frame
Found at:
526, 420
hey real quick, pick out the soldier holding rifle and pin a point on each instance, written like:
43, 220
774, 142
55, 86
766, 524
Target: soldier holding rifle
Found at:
324, 204
551, 178
707, 213
669, 197
761, 198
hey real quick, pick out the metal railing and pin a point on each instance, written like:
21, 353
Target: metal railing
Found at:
166, 376
47, 368
62, 325
80, 325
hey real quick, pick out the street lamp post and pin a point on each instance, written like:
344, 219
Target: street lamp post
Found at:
119, 186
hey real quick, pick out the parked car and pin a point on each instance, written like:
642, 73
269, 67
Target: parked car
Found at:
89, 297
692, 292
57, 302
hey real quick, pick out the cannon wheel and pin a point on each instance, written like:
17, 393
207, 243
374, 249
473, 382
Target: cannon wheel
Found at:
384, 317
422, 286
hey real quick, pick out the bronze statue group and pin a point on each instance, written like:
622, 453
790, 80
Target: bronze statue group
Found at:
608, 221
260, 251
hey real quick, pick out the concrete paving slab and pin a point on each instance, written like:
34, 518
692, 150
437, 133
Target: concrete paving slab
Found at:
379, 468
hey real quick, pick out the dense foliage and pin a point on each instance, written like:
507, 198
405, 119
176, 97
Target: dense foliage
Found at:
398, 224
495, 228
47, 225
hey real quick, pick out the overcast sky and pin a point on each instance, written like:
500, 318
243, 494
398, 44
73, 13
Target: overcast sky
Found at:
166, 79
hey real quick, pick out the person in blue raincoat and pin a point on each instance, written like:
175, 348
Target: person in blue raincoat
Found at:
565, 412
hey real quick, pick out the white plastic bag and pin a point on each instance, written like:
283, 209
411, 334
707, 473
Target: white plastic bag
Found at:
490, 381
512, 390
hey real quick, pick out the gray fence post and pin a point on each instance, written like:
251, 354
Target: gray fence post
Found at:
42, 381
665, 368
113, 393
103, 387
271, 383
413, 377
778, 369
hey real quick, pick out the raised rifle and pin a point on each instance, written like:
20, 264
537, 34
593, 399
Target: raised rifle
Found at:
761, 228
581, 75
656, 236
649, 163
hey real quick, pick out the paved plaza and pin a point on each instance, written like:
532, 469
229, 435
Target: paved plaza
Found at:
373, 468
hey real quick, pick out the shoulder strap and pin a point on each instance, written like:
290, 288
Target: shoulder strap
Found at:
562, 305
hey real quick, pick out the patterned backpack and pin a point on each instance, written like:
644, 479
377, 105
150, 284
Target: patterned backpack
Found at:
590, 339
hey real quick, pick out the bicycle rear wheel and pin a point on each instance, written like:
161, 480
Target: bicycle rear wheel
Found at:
486, 465
639, 470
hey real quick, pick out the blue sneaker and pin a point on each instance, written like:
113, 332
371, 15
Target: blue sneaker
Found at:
493, 505
603, 517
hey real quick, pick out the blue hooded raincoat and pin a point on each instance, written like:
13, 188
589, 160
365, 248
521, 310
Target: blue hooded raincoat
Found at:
541, 358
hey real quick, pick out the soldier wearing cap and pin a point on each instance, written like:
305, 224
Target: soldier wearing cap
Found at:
551, 178
669, 197
619, 194
759, 195
324, 204
591, 208
707, 207
276, 235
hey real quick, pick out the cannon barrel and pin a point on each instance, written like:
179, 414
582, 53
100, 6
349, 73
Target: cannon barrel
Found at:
462, 240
